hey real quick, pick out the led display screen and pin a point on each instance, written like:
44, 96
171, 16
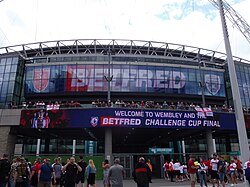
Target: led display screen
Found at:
125, 78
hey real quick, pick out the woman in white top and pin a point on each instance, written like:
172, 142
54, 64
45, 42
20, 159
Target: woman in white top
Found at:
233, 172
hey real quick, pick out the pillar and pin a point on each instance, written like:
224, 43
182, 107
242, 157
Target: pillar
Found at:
210, 144
228, 145
38, 145
184, 151
74, 148
108, 144
8, 140
214, 145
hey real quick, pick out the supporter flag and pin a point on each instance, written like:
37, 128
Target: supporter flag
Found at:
204, 112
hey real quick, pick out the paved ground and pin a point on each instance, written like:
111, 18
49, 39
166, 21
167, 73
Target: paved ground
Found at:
162, 183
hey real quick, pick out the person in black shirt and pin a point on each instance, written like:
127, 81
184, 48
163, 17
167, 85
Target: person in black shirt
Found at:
81, 175
142, 174
71, 168
4, 170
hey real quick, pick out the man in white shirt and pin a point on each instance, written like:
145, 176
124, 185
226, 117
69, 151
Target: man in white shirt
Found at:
176, 168
214, 171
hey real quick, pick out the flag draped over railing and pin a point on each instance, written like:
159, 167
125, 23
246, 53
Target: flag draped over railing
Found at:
204, 112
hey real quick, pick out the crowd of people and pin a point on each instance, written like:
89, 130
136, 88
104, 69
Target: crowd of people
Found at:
44, 173
121, 104
46, 105
157, 105
215, 171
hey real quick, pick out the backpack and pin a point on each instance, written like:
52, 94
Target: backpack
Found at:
22, 173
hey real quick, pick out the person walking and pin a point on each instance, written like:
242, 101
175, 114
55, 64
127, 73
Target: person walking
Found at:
22, 174
116, 174
91, 173
45, 174
150, 165
166, 168
214, 170
70, 171
177, 173
192, 170
34, 173
222, 168
14, 164
105, 167
171, 170
81, 175
142, 174
233, 172
57, 171
4, 170
246, 168
202, 170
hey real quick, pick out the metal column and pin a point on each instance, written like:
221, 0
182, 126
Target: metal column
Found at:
108, 131
208, 132
241, 128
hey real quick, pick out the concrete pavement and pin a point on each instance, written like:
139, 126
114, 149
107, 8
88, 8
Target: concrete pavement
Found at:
162, 183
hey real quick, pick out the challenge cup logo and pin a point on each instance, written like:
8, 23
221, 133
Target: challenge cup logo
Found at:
94, 121
213, 83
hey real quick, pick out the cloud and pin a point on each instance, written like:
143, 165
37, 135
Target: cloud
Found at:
193, 23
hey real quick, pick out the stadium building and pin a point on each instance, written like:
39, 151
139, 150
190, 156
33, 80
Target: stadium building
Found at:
153, 88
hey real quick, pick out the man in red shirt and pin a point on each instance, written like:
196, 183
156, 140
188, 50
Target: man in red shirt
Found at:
192, 170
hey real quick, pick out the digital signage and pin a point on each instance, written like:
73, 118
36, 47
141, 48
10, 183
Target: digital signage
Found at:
125, 78
117, 117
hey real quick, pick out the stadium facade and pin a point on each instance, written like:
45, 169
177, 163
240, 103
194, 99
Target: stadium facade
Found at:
152, 72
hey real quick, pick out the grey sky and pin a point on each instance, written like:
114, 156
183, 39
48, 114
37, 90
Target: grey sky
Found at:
189, 22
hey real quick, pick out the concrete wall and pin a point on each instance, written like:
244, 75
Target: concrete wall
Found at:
8, 119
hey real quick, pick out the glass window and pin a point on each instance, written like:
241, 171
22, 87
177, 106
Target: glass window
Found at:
15, 60
116, 84
3, 61
12, 76
11, 87
4, 87
6, 76
79, 146
7, 68
90, 70
133, 78
9, 60
67, 59
2, 69
125, 71
99, 78
62, 71
13, 68
125, 85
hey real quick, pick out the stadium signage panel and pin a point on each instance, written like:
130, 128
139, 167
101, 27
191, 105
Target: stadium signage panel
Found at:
160, 150
126, 78
114, 117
